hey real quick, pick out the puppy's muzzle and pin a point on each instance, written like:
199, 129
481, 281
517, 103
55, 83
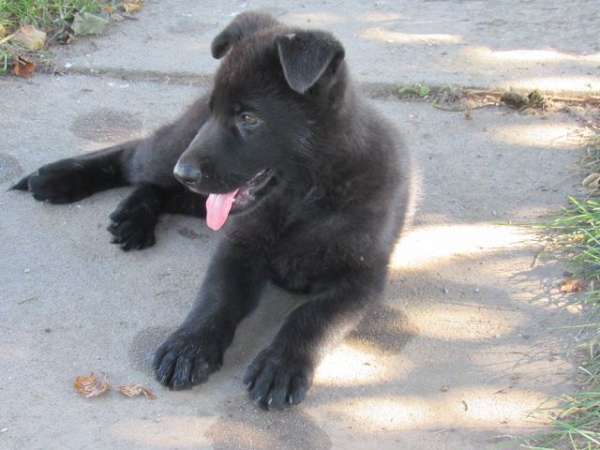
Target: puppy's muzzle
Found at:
187, 174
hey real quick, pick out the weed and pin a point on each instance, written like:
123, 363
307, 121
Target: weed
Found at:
577, 233
52, 16
47, 15
417, 90
5, 61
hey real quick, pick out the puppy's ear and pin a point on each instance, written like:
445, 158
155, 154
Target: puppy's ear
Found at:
306, 56
244, 25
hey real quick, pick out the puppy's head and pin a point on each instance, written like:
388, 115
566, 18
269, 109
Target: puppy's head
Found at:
275, 87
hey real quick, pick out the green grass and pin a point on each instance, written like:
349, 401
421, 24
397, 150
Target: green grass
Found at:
5, 58
416, 90
52, 16
576, 232
47, 15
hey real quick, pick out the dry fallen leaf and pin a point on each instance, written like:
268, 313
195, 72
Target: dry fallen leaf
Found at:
30, 37
571, 285
91, 386
133, 390
132, 6
23, 67
64, 37
592, 181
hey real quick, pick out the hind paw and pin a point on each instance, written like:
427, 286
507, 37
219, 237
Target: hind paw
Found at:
64, 181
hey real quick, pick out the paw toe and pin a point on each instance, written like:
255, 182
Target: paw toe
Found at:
131, 230
181, 378
274, 384
182, 362
299, 385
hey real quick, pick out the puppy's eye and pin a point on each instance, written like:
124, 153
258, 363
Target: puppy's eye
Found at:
249, 119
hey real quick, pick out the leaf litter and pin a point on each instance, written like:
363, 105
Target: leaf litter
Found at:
572, 285
24, 49
92, 385
23, 67
86, 24
29, 37
133, 390
132, 6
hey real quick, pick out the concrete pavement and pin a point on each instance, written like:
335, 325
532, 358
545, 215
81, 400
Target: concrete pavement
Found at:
469, 340
532, 44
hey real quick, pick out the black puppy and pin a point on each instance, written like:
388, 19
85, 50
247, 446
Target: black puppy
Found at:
308, 182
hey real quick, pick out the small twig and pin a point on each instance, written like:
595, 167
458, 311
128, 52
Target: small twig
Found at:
536, 256
27, 300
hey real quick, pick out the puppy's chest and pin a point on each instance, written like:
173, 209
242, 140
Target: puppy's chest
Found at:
296, 271
299, 265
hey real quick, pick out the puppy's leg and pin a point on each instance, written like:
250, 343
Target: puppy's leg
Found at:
134, 220
72, 179
147, 164
282, 373
230, 291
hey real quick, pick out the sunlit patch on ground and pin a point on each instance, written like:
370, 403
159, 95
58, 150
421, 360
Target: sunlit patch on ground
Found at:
463, 322
563, 136
394, 37
485, 55
475, 407
349, 366
429, 245
377, 16
510, 359
581, 84
168, 432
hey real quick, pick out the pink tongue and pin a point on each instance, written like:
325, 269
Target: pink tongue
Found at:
217, 209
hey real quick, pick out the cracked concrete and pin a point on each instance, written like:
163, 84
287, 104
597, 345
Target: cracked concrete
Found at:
469, 338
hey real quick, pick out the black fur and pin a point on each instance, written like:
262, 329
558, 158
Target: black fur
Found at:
306, 55
330, 200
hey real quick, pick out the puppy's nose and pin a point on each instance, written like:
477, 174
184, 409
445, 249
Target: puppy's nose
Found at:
187, 174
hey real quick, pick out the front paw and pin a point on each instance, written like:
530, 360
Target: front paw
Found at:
64, 181
185, 360
132, 225
274, 380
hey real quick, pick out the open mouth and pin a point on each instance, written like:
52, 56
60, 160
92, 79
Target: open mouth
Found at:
220, 206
